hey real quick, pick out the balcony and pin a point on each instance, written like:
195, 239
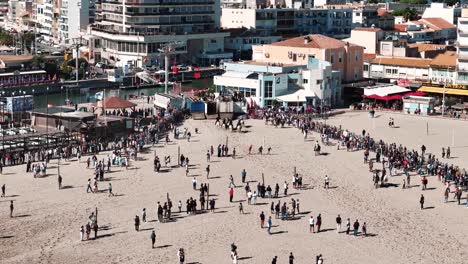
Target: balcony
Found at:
137, 3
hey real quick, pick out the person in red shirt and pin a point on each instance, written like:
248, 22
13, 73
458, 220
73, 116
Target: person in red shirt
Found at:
231, 194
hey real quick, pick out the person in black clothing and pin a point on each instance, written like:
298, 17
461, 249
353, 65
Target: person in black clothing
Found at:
11, 208
291, 258
153, 239
137, 223
60, 182
274, 260
421, 201
3, 190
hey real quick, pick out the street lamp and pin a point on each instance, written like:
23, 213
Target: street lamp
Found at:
47, 117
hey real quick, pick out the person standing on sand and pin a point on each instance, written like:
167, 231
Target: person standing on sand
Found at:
241, 208
348, 226
319, 222
59, 182
181, 255
338, 224
95, 229
311, 224
356, 227
143, 215
208, 171
194, 183
274, 260
269, 225
12, 207
88, 189
421, 201
262, 219
137, 223
364, 229
82, 232
110, 190
243, 175
327, 182
88, 230
153, 238
3, 190
231, 194
291, 258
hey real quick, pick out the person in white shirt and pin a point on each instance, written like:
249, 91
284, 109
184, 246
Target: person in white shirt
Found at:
312, 224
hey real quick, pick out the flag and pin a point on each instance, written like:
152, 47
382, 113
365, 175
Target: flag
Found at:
197, 75
175, 69
99, 95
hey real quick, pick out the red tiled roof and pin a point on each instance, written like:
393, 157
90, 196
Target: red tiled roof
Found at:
401, 27
447, 59
437, 23
427, 46
115, 103
315, 41
402, 61
369, 56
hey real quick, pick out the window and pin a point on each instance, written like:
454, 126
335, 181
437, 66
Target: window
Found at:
268, 91
332, 57
305, 81
394, 71
388, 71
340, 56
356, 54
366, 67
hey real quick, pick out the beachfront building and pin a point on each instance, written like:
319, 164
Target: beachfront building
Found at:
310, 84
438, 70
74, 19
134, 33
428, 30
44, 17
448, 13
241, 40
345, 57
3, 12
462, 51
335, 22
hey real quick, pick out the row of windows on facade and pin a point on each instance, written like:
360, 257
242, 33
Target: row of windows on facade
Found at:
162, 20
157, 10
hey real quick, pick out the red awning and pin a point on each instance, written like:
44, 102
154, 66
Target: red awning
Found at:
384, 98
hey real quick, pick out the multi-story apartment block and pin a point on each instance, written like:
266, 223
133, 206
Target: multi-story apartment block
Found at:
74, 19
44, 18
345, 57
336, 22
3, 12
133, 32
462, 50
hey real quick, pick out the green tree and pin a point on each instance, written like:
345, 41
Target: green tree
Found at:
5, 38
408, 13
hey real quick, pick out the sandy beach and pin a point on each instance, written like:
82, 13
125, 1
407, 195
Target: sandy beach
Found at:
47, 221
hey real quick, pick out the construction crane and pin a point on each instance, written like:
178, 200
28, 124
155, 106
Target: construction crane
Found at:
167, 49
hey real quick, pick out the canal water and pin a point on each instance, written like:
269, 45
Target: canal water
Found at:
83, 97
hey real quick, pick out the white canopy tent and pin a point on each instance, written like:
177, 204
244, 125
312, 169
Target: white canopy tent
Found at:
300, 95
385, 90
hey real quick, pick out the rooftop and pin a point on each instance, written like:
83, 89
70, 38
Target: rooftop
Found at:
401, 61
261, 63
437, 23
371, 29
447, 59
427, 46
369, 56
314, 41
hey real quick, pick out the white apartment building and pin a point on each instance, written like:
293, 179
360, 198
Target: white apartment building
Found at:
462, 50
44, 18
3, 12
448, 13
74, 19
335, 22
132, 33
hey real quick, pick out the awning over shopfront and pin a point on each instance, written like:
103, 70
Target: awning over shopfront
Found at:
440, 90
298, 96
383, 91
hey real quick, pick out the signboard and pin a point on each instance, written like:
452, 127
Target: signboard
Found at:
448, 86
115, 75
19, 103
